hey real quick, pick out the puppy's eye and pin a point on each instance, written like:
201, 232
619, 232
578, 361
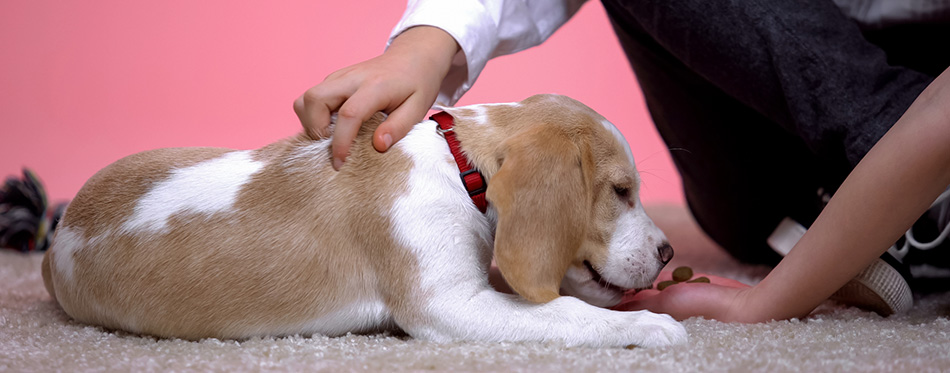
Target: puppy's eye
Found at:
622, 192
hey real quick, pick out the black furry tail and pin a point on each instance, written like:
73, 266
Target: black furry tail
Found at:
26, 219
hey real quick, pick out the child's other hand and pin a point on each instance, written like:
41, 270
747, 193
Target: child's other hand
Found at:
720, 299
403, 82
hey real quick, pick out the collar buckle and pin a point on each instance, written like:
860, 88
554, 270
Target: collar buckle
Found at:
476, 186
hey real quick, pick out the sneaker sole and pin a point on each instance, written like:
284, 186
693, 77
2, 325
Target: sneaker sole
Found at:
879, 288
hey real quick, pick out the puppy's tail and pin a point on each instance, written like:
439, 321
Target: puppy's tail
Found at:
47, 276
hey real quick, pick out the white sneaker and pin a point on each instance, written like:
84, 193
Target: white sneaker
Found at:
923, 265
881, 287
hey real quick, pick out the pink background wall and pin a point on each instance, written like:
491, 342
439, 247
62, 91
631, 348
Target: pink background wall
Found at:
83, 84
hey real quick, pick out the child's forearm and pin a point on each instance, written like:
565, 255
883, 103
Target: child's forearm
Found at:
882, 197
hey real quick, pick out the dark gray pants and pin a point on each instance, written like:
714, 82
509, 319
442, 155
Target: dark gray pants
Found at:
764, 102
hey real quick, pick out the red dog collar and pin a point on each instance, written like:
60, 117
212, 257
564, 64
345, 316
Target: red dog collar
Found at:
473, 180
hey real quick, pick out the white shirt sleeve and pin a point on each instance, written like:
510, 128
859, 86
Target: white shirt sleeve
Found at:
485, 29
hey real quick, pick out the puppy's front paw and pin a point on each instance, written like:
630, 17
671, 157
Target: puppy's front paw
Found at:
647, 329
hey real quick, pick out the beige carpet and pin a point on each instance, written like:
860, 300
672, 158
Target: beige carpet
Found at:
36, 336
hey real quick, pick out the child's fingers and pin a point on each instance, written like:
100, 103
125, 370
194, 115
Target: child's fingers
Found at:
726, 282
645, 298
400, 122
686, 300
667, 275
632, 297
356, 110
314, 106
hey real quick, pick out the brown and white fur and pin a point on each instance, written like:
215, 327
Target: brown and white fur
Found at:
207, 242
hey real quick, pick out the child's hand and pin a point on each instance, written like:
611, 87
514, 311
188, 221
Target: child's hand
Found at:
403, 82
718, 299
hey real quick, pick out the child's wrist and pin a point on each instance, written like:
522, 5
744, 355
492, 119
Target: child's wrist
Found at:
432, 42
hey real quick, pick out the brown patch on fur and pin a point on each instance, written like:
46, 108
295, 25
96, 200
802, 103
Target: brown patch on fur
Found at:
541, 215
107, 198
300, 243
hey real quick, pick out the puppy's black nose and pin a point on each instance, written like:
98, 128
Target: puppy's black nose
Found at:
666, 252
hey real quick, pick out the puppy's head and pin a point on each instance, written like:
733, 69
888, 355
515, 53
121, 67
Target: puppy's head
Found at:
567, 198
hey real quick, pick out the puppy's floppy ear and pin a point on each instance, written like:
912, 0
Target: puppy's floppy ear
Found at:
543, 206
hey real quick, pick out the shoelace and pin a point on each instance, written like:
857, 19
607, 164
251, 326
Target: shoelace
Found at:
943, 219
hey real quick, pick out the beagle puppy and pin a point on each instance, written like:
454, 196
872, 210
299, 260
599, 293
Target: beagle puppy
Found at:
207, 242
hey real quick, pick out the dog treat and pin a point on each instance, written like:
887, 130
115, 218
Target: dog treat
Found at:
664, 284
683, 273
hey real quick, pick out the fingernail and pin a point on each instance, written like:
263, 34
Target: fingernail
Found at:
337, 163
387, 140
